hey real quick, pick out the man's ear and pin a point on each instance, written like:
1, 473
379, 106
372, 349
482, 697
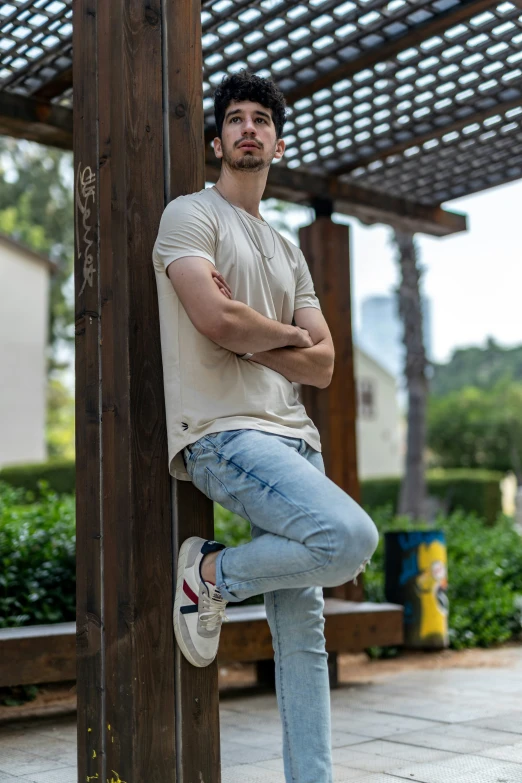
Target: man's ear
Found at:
280, 149
218, 149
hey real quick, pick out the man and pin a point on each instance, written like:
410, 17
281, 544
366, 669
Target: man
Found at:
230, 288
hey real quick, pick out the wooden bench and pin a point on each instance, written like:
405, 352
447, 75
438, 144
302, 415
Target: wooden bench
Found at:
47, 653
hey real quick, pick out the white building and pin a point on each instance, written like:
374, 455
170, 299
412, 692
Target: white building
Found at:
380, 428
24, 314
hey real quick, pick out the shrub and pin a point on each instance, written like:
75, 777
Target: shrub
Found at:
469, 490
37, 554
60, 475
475, 491
37, 558
230, 529
484, 574
37, 565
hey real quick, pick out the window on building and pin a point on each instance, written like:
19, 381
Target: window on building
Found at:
366, 398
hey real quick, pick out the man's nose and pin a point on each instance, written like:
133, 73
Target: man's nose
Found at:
249, 126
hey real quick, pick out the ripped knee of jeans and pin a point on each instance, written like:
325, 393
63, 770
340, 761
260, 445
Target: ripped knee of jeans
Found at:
361, 569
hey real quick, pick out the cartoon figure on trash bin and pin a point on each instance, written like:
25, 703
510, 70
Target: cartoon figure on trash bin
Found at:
431, 585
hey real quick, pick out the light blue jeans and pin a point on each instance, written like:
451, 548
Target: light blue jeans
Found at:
306, 534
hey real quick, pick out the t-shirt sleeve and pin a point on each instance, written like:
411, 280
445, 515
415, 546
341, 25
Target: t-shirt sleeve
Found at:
305, 295
186, 229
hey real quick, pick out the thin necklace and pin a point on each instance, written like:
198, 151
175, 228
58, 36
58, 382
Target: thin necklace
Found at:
236, 210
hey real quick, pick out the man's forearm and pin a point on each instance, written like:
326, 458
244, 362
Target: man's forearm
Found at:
244, 330
311, 366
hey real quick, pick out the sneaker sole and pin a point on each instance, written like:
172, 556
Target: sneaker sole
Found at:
182, 562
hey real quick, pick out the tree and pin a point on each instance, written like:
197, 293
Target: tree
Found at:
478, 428
477, 366
37, 209
60, 436
413, 486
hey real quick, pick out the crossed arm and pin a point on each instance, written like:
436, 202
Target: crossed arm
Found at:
303, 353
312, 366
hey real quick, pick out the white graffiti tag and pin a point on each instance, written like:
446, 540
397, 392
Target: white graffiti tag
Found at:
85, 191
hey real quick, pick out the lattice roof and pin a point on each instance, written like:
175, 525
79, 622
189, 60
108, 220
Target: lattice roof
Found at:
35, 43
417, 98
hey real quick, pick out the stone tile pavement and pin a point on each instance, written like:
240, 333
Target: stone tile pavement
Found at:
435, 726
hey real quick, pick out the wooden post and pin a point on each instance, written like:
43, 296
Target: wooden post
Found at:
197, 695
326, 246
143, 715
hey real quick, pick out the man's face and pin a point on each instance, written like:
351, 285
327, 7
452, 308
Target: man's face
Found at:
248, 138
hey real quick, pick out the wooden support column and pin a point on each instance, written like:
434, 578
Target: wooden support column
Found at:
197, 696
326, 246
143, 713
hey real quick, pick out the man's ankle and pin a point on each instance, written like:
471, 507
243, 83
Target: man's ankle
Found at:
208, 567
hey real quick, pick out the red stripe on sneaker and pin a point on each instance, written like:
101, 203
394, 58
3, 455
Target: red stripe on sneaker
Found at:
188, 591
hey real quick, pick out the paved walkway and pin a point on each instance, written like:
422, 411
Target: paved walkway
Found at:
439, 726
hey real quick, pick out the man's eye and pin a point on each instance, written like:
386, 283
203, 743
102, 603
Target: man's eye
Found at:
260, 119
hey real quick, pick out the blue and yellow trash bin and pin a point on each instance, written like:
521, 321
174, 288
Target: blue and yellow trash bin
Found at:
416, 566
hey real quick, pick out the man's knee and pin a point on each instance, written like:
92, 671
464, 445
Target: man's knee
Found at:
354, 540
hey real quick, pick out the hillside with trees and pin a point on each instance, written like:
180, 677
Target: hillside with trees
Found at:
475, 410
480, 367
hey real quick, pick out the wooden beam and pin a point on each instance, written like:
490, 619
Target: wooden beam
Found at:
52, 125
46, 653
367, 205
35, 119
386, 51
56, 87
372, 207
126, 691
37, 653
437, 133
350, 626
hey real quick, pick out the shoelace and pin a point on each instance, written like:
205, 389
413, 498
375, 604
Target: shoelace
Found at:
213, 611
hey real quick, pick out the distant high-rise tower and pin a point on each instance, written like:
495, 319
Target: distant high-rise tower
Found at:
381, 331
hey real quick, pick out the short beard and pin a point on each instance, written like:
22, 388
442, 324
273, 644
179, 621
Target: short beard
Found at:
248, 162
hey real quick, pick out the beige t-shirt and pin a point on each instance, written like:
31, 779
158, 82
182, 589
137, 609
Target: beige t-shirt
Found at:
209, 388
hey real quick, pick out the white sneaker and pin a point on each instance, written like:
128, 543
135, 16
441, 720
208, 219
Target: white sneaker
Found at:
199, 608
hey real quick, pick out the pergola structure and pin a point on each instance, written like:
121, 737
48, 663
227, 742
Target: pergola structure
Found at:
394, 108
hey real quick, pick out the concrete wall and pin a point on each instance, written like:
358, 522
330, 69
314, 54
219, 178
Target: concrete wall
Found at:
380, 436
24, 297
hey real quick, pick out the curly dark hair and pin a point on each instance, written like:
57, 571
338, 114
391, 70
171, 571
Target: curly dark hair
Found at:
246, 86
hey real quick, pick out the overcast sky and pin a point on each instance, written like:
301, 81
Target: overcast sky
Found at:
474, 279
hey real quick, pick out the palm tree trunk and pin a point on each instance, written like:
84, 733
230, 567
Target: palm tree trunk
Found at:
412, 500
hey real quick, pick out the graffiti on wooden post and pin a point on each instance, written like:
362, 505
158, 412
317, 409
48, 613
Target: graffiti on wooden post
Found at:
85, 193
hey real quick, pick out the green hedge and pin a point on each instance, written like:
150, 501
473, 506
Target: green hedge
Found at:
37, 565
470, 490
476, 491
59, 474
37, 558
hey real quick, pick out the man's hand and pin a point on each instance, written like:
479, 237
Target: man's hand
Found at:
228, 322
303, 339
313, 368
222, 284
313, 365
